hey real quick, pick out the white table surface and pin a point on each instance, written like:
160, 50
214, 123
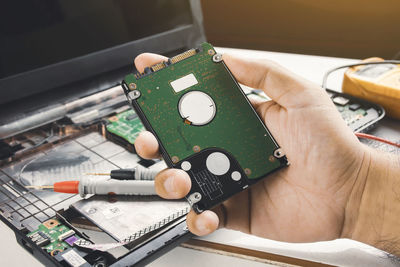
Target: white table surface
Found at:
343, 252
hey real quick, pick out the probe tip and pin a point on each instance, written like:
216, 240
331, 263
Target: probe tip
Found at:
39, 186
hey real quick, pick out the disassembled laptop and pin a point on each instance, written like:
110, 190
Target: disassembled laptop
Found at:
65, 127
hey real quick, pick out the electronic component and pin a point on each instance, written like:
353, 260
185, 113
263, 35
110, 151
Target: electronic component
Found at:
71, 240
123, 129
340, 100
373, 79
65, 235
52, 239
354, 107
379, 83
129, 218
40, 238
359, 115
72, 257
204, 124
55, 252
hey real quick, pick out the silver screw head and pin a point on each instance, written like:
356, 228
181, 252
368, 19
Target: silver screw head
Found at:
217, 57
134, 94
278, 153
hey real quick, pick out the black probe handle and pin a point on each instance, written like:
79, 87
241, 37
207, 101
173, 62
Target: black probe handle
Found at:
123, 174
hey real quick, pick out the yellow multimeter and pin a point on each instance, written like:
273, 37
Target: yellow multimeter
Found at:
378, 83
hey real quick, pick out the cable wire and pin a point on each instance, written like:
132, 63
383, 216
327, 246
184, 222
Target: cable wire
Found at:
376, 138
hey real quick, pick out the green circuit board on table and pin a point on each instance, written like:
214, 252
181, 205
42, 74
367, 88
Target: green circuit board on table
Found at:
126, 125
192, 102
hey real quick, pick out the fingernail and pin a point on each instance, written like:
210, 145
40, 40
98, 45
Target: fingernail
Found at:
169, 186
201, 225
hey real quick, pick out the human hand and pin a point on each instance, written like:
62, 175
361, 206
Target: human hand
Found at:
306, 201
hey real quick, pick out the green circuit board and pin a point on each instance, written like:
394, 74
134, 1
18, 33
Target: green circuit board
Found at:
126, 125
350, 116
193, 103
47, 236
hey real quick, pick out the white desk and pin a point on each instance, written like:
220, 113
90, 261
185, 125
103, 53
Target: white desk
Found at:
336, 252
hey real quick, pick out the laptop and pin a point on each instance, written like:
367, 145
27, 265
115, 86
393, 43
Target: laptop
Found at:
61, 65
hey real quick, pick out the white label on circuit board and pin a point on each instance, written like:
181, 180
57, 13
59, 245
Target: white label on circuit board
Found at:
73, 258
184, 82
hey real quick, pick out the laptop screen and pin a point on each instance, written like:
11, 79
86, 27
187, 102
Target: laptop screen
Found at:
37, 33
50, 44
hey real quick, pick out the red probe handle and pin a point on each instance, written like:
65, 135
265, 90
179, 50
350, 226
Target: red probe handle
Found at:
71, 187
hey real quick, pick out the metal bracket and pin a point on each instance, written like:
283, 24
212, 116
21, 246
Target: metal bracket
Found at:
194, 198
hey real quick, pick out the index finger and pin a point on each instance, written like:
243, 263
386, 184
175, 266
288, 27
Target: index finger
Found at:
281, 85
146, 144
147, 59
